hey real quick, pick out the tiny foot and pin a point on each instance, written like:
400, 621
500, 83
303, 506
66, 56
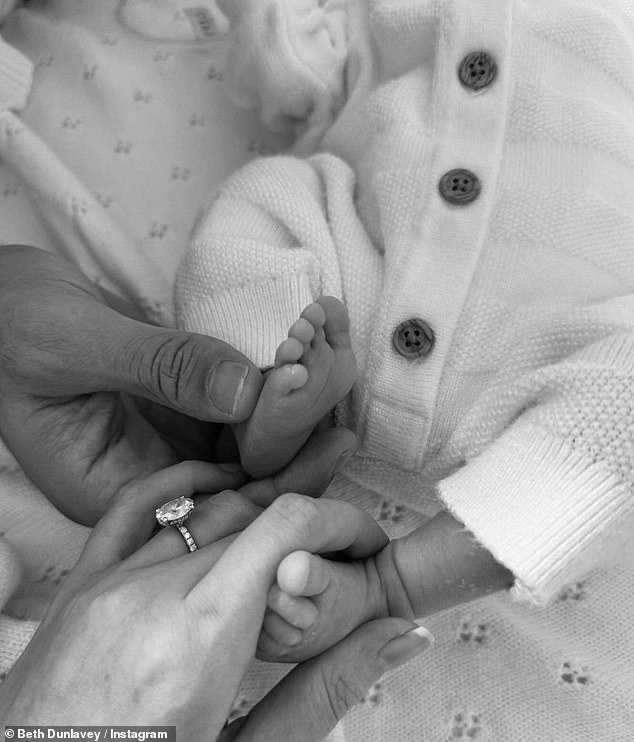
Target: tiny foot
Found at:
314, 369
316, 603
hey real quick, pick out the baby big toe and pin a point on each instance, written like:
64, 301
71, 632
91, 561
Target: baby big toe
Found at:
337, 325
303, 574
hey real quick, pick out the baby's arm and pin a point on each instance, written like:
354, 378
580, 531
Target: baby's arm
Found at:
550, 497
437, 566
316, 602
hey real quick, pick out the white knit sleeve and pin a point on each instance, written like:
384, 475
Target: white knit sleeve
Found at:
261, 254
15, 634
552, 495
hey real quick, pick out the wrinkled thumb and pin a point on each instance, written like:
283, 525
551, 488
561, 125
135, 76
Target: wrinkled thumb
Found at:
310, 700
200, 376
60, 338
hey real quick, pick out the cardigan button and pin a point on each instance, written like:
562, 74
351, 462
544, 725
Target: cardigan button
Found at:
413, 339
459, 187
477, 70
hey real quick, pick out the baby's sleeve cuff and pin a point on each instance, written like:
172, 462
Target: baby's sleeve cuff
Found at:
539, 506
254, 318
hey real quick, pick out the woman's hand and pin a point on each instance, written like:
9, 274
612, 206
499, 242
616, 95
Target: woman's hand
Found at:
91, 399
145, 633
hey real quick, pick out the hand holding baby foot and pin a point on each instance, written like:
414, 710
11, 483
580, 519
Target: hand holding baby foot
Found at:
315, 603
314, 370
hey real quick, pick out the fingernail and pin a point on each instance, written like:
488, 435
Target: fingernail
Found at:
406, 646
226, 384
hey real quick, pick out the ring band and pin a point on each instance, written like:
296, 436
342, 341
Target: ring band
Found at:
173, 514
189, 539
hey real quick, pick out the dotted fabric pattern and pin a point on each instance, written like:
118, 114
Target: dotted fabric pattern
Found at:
128, 98
141, 123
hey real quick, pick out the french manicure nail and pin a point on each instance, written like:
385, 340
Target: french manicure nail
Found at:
405, 647
226, 384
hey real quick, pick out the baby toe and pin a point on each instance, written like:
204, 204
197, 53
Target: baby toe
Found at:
337, 324
315, 314
280, 631
289, 351
302, 330
286, 379
303, 574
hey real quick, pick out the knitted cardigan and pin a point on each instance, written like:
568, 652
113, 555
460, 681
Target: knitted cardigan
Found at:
520, 419
551, 142
522, 413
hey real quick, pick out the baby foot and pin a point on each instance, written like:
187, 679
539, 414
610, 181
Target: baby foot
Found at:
316, 603
314, 369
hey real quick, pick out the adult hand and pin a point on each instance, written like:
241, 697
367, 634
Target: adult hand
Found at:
144, 633
90, 398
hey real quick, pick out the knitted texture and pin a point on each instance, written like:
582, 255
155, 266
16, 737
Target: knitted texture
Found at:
520, 420
14, 633
529, 382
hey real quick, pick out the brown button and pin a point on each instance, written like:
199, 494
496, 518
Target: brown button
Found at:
459, 187
477, 70
413, 338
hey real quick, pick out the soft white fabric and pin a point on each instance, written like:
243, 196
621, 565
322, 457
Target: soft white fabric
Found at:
114, 130
136, 134
14, 633
286, 60
520, 420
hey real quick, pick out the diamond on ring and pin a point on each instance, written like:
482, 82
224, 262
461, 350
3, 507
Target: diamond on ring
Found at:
175, 512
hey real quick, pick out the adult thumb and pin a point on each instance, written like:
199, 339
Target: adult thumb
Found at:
198, 375
60, 338
307, 704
